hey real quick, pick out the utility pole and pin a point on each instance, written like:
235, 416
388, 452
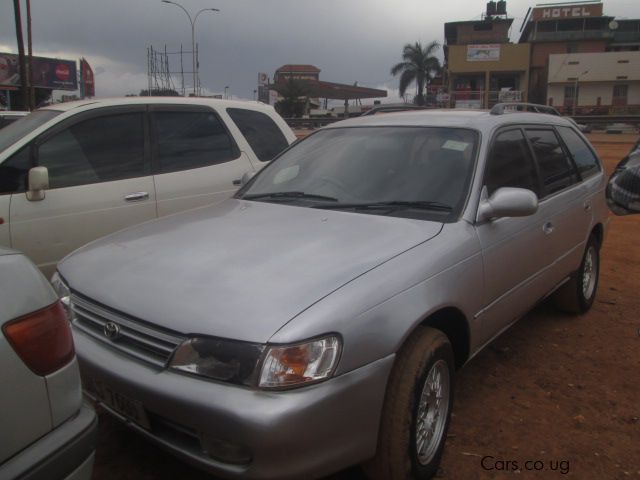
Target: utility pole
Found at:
23, 65
32, 92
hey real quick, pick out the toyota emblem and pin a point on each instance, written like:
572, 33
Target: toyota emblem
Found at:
111, 330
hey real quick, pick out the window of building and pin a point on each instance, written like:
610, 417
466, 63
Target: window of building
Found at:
597, 23
583, 156
100, 149
570, 95
571, 25
510, 164
188, 139
556, 168
620, 93
548, 26
264, 136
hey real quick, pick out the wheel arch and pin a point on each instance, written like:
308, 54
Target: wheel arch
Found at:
598, 233
453, 323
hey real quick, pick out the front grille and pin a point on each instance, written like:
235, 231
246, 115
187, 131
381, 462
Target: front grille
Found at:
136, 338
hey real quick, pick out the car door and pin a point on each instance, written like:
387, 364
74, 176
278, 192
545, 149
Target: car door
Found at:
564, 204
514, 248
99, 182
196, 159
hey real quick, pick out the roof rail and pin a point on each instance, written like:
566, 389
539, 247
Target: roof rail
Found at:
502, 108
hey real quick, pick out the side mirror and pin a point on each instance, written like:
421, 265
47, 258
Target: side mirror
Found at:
508, 202
246, 177
38, 183
623, 190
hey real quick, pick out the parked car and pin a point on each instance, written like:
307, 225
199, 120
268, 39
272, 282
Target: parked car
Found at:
7, 117
73, 172
623, 189
45, 429
317, 319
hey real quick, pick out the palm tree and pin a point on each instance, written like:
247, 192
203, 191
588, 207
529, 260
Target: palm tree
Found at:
418, 65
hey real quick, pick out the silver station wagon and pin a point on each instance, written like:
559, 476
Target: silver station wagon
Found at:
316, 320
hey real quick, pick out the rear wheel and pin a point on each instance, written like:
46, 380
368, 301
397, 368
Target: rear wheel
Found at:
578, 294
417, 409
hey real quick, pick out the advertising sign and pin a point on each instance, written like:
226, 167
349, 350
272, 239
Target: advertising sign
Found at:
87, 85
483, 53
263, 78
46, 73
273, 97
555, 13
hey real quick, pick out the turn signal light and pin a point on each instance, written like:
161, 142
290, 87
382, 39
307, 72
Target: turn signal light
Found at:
42, 339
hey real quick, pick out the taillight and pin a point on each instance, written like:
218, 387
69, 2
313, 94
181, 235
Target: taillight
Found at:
42, 339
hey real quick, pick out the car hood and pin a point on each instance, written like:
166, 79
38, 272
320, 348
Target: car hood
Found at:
239, 269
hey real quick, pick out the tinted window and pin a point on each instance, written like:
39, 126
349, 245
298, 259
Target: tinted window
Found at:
13, 172
510, 164
556, 169
262, 133
584, 158
100, 149
186, 140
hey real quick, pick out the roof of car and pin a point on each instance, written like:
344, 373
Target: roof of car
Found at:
113, 102
476, 119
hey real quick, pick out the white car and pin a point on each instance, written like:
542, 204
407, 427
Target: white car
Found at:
74, 172
45, 429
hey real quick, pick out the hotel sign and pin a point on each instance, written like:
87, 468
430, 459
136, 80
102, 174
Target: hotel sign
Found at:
562, 12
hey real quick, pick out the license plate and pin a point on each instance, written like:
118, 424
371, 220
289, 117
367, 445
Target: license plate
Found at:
125, 406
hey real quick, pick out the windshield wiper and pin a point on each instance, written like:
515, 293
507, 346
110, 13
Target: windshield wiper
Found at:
288, 195
395, 204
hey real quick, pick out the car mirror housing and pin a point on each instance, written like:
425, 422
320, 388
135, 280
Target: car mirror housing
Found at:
38, 183
508, 202
623, 190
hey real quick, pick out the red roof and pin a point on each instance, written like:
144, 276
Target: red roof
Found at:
298, 68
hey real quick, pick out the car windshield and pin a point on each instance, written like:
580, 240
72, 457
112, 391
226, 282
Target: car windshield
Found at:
18, 129
416, 172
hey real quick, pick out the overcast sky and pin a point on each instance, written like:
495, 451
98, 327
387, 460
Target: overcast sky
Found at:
349, 40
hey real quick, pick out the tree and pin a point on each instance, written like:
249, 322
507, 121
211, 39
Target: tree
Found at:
294, 97
419, 66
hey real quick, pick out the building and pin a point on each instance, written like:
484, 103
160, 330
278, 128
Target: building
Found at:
483, 66
597, 83
571, 28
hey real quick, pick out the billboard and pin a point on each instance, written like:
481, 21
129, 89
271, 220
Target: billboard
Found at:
47, 72
568, 11
483, 53
87, 85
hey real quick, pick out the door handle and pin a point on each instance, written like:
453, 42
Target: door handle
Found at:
237, 182
587, 206
548, 228
136, 196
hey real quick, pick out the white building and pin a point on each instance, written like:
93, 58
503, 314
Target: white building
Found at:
607, 82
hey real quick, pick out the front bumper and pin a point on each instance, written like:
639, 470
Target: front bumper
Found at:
303, 433
64, 453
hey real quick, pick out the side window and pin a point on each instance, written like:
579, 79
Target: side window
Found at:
100, 149
510, 164
14, 171
556, 169
186, 140
583, 156
263, 135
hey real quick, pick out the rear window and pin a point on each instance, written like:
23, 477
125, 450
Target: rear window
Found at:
263, 135
583, 156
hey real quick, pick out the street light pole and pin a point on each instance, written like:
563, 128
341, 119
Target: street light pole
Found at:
193, 38
575, 92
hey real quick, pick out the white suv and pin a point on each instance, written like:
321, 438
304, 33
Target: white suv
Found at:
74, 172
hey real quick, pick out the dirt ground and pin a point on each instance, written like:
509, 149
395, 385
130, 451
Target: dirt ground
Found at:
555, 396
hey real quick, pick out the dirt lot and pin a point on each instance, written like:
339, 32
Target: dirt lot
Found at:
555, 396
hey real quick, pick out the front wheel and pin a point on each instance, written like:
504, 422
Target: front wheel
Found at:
578, 294
417, 409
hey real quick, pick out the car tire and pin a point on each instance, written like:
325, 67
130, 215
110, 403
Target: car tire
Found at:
577, 295
422, 374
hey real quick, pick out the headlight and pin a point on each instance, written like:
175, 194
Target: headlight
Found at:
63, 292
283, 366
287, 366
225, 360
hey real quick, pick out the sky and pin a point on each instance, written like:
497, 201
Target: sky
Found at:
349, 40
